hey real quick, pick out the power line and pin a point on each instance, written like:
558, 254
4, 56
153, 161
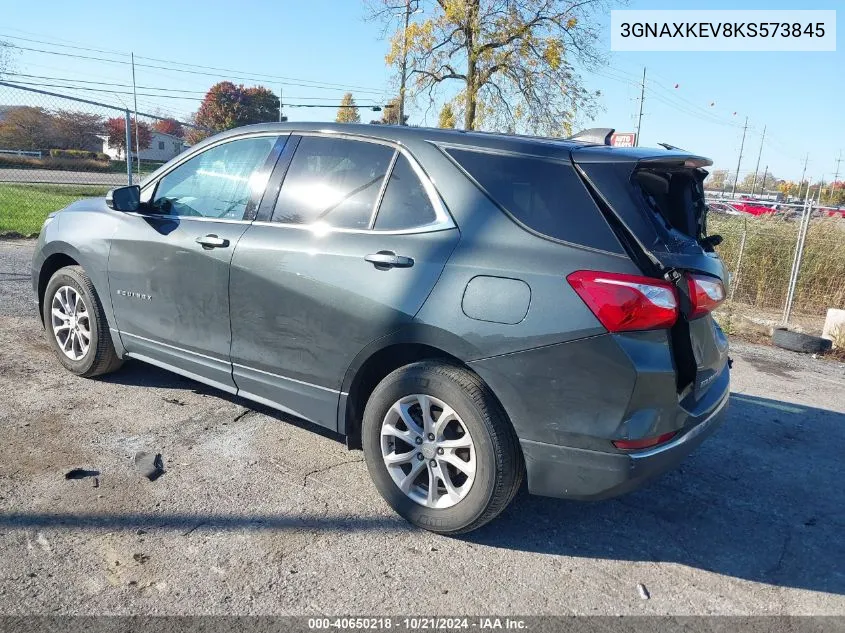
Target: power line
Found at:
129, 92
122, 85
303, 83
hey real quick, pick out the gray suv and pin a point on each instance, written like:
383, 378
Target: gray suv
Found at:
470, 309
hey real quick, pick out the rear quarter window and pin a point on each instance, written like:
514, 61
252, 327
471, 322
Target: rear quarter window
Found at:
544, 196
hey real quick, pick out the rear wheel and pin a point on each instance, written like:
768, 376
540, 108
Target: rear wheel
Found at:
439, 448
75, 324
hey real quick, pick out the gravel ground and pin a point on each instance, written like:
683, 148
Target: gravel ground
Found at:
258, 514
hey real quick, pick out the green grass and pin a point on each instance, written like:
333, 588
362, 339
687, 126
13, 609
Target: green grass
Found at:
24, 207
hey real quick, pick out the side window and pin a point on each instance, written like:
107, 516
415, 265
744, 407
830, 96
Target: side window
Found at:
544, 195
335, 181
218, 183
406, 203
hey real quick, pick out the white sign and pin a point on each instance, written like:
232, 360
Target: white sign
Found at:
723, 30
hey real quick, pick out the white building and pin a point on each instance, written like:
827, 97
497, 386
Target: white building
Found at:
162, 148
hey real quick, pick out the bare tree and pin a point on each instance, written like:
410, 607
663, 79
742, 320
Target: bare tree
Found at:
5, 57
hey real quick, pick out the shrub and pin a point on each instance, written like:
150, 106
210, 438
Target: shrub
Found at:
77, 154
50, 162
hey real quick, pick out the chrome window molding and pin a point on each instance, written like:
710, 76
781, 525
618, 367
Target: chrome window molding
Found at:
324, 229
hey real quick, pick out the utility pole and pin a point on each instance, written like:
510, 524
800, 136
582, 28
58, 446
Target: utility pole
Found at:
640, 117
404, 68
804, 173
835, 175
135, 97
739, 162
280, 104
765, 175
757, 168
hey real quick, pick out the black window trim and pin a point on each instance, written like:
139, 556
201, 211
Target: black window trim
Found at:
443, 219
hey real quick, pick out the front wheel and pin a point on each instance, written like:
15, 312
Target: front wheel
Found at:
439, 448
75, 324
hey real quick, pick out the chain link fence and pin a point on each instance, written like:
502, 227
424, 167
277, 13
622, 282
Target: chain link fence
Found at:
55, 149
787, 266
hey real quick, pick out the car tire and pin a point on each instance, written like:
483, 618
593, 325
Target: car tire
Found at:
800, 342
70, 285
476, 424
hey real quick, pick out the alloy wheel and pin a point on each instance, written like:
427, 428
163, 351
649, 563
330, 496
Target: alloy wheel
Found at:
70, 322
428, 451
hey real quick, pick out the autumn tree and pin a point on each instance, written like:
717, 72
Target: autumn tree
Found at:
77, 130
447, 116
27, 128
169, 126
348, 112
390, 113
226, 106
116, 132
514, 61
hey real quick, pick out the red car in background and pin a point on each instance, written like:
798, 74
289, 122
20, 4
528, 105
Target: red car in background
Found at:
749, 205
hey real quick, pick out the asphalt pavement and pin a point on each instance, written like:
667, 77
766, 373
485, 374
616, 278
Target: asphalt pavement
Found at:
256, 513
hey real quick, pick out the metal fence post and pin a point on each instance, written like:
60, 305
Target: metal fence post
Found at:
796, 260
735, 277
128, 127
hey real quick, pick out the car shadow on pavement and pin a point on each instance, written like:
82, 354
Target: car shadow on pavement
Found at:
761, 500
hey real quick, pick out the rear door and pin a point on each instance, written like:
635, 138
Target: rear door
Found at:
655, 201
346, 254
169, 263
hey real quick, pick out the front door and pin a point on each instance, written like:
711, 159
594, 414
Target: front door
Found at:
169, 263
356, 241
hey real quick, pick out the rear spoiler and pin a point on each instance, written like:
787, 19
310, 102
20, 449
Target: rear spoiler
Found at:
680, 160
641, 156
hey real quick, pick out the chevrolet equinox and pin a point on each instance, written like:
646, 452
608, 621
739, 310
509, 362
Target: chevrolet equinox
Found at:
470, 309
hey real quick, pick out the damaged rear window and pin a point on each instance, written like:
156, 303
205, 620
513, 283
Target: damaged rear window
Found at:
676, 196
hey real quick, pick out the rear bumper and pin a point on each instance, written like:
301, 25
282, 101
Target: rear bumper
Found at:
577, 473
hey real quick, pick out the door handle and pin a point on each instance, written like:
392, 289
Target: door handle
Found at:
384, 260
212, 241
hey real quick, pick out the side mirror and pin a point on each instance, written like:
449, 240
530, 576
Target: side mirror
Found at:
124, 198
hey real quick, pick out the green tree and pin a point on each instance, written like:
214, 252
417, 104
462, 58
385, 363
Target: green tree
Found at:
348, 112
447, 116
514, 60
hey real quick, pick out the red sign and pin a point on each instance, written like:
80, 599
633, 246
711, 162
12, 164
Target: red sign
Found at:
623, 139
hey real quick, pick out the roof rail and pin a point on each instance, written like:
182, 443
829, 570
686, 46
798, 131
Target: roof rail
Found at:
599, 135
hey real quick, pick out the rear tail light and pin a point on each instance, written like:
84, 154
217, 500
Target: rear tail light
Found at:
706, 294
632, 445
626, 302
